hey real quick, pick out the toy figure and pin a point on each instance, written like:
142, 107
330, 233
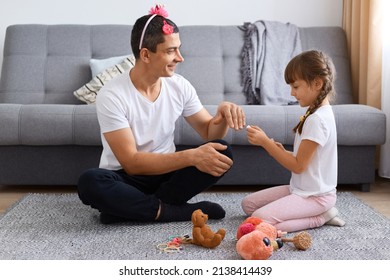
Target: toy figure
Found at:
202, 234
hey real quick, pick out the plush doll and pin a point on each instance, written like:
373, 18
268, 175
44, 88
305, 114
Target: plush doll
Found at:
257, 240
247, 226
254, 246
252, 223
202, 234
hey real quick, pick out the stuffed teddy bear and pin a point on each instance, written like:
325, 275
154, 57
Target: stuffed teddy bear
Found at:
257, 240
202, 234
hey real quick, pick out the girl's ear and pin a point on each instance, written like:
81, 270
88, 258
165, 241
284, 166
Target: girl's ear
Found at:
318, 83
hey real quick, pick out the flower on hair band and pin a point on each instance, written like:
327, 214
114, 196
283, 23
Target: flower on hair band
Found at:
167, 29
157, 10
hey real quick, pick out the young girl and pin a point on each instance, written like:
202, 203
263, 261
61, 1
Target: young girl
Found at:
309, 200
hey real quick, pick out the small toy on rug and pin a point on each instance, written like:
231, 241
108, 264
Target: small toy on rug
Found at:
174, 244
202, 234
257, 240
301, 241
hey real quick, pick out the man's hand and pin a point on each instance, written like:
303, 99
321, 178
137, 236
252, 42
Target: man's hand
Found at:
210, 161
232, 114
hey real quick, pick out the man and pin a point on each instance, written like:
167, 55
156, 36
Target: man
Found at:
141, 176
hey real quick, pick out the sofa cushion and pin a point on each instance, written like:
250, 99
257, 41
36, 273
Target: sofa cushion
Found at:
203, 61
49, 125
99, 65
87, 93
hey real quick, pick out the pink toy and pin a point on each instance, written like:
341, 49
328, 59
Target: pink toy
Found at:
257, 240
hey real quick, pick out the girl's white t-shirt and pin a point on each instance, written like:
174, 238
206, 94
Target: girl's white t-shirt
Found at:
120, 105
321, 175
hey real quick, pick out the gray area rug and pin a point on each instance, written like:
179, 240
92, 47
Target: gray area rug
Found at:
59, 226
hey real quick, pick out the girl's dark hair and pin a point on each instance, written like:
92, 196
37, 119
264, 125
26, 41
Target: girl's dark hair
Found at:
308, 66
153, 33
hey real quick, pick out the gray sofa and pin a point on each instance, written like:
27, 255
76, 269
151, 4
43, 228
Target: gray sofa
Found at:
48, 137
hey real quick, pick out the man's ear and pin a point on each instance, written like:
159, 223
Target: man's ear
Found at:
144, 55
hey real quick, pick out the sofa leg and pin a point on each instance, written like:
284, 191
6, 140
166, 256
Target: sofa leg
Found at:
365, 187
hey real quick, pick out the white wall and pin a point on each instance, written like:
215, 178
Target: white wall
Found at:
183, 12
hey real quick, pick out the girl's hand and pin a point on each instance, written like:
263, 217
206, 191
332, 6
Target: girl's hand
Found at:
256, 136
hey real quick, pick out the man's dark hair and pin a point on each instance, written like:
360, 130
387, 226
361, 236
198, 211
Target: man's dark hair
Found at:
153, 33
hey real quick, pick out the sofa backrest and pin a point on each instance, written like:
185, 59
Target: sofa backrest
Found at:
44, 64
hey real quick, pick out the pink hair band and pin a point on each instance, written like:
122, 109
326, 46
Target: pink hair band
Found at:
144, 30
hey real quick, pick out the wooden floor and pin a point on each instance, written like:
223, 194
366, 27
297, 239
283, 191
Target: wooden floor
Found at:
378, 198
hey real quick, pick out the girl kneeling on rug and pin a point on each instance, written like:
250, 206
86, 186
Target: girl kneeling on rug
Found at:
309, 200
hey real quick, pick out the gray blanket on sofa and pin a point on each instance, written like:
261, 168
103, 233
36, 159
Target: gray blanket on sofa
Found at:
268, 47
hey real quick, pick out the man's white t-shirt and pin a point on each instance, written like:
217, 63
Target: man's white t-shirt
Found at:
321, 175
120, 105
